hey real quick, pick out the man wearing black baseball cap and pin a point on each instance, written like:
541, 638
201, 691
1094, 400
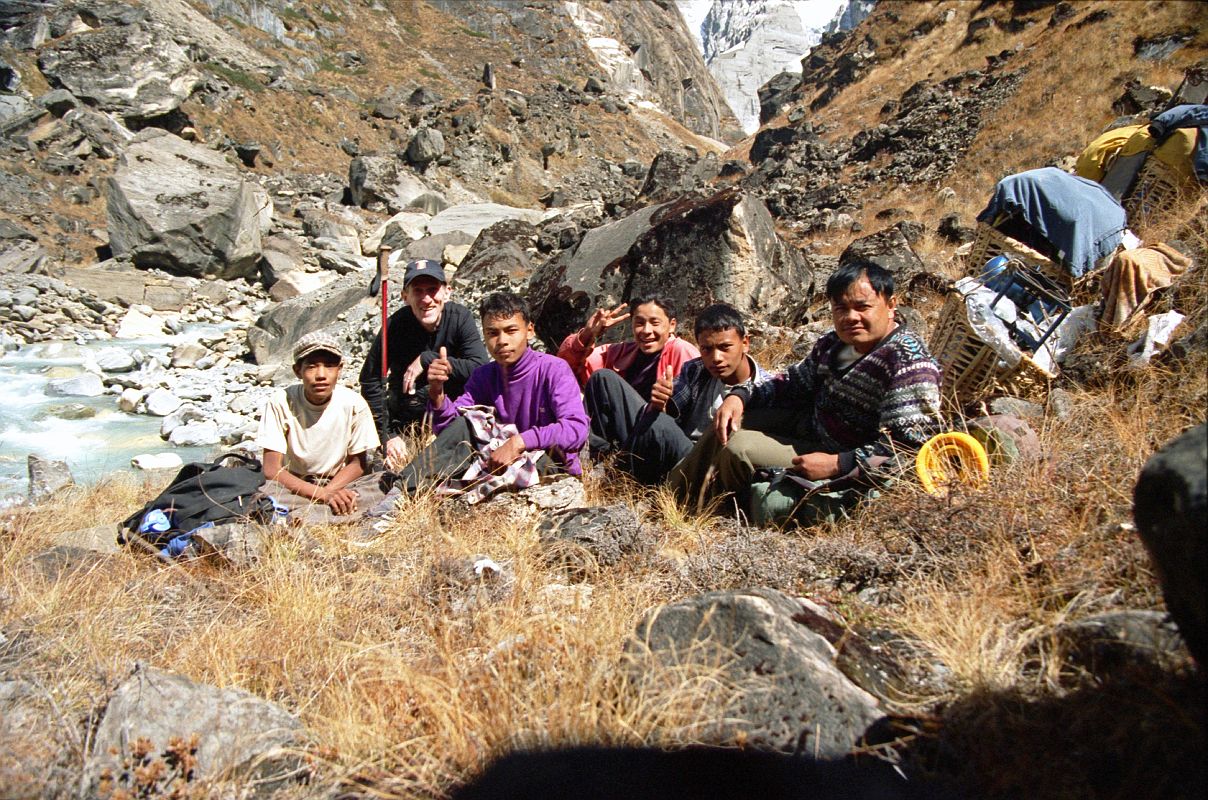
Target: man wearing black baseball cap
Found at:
415, 334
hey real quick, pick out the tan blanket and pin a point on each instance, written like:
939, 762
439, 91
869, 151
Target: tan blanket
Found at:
1133, 275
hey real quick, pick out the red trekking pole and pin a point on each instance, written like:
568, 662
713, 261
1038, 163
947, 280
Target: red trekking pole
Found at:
383, 271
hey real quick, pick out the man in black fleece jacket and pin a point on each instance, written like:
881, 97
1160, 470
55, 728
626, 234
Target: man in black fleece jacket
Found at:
416, 333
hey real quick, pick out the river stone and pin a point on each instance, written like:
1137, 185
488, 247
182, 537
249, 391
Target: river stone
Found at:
1170, 504
186, 355
787, 693
183, 208
46, 477
115, 359
137, 325
71, 411
185, 413
85, 385
134, 71
154, 461
161, 402
236, 544
129, 399
195, 434
238, 733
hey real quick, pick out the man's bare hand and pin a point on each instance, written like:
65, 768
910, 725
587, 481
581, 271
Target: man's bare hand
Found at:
816, 466
505, 453
439, 371
341, 501
728, 418
396, 453
663, 389
601, 321
411, 375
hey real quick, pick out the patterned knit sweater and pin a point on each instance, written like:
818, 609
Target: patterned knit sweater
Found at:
874, 414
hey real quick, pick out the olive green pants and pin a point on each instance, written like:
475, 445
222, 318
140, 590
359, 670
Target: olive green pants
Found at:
713, 474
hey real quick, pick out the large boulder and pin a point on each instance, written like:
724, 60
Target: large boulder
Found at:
185, 209
499, 254
376, 179
135, 71
1170, 505
272, 338
697, 250
782, 688
237, 732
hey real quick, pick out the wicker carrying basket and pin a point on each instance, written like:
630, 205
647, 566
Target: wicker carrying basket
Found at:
989, 242
971, 367
1157, 193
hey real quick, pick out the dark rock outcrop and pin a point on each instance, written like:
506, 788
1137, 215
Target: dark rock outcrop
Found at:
1170, 504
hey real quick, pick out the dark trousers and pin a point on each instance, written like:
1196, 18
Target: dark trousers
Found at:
407, 410
649, 442
450, 455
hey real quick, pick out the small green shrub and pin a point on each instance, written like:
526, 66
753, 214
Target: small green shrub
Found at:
235, 77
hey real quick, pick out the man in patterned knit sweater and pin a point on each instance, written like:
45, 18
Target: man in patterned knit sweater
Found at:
818, 437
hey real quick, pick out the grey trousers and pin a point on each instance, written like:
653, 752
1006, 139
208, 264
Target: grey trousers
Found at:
713, 471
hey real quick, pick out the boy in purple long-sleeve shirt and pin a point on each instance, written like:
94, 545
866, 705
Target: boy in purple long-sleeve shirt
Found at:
536, 392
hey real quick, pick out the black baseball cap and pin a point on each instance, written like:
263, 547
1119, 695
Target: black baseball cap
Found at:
423, 268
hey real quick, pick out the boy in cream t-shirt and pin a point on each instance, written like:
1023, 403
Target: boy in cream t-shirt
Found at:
316, 435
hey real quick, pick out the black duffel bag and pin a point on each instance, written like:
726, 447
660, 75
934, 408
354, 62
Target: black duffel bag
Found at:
205, 492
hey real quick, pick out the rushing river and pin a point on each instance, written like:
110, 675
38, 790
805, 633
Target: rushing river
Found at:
91, 434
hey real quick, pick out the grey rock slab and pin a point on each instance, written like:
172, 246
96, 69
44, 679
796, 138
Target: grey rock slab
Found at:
786, 690
239, 733
585, 539
1105, 643
471, 218
235, 544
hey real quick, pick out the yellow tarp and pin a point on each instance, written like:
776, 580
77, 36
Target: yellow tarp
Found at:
1175, 152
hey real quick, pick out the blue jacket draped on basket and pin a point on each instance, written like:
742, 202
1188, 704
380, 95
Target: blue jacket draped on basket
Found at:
1078, 217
